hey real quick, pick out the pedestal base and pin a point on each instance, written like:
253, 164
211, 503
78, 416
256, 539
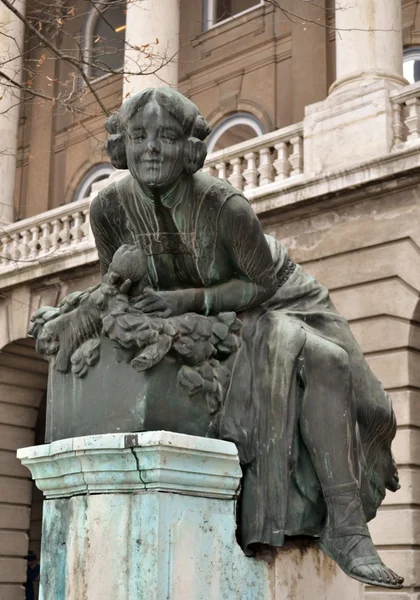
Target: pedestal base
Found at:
152, 516
352, 125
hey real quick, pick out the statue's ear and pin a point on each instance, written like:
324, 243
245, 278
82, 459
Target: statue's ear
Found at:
115, 147
115, 144
195, 153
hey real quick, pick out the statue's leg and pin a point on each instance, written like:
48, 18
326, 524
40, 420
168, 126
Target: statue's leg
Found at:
327, 424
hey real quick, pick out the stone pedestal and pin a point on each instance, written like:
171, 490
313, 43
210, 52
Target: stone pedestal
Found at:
152, 516
351, 126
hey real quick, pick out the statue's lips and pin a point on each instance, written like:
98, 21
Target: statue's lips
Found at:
152, 163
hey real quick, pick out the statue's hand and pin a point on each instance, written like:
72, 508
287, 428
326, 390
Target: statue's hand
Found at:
162, 304
171, 304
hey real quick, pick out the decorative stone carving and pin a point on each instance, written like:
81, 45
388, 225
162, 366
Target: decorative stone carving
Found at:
216, 331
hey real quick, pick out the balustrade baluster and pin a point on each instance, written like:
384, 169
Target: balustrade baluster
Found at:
76, 230
210, 170
266, 169
65, 232
251, 172
45, 241
34, 243
397, 123
85, 225
24, 246
296, 158
281, 164
5, 250
55, 235
235, 178
14, 247
221, 170
413, 120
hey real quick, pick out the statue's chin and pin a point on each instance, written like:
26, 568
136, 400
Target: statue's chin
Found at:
155, 182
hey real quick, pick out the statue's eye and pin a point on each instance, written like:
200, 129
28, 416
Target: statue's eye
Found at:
139, 136
169, 136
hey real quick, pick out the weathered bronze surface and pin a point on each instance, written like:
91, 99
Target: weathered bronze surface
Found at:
203, 325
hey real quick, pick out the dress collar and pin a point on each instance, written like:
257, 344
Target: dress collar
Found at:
171, 197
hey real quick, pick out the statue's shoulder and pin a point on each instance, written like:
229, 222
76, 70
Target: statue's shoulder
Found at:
108, 201
216, 190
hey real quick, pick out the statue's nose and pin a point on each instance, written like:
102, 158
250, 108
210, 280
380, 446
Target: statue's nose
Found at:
152, 145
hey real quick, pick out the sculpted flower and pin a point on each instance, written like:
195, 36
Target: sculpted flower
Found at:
128, 267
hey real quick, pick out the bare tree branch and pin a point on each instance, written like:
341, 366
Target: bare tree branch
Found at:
25, 89
56, 51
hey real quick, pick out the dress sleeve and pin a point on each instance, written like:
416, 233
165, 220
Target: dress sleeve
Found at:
109, 225
246, 248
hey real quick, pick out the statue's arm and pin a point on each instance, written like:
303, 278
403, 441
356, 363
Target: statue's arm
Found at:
109, 227
253, 280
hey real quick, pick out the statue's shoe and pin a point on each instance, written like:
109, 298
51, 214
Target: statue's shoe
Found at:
392, 482
347, 541
368, 568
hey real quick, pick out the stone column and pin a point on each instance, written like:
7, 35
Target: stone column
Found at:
355, 123
368, 42
152, 44
11, 49
152, 516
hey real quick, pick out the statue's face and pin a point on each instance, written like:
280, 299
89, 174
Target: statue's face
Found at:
155, 146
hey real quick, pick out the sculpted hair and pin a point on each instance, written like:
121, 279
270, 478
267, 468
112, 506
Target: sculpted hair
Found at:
193, 125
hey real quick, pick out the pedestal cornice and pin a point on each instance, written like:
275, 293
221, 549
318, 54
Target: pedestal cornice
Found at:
126, 462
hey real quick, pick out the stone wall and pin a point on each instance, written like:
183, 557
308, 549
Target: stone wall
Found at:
23, 380
364, 245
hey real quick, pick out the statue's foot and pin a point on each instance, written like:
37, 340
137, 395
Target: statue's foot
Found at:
347, 541
392, 482
356, 555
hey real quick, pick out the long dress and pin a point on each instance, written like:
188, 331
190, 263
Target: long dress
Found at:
202, 233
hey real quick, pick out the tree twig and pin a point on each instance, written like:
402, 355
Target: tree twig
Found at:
56, 51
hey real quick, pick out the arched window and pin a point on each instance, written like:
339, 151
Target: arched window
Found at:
233, 130
411, 64
105, 37
97, 173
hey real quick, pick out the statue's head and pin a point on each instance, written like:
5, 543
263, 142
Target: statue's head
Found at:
157, 134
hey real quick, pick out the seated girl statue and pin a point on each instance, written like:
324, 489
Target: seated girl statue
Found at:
312, 424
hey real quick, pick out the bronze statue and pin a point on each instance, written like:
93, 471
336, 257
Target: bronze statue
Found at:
195, 296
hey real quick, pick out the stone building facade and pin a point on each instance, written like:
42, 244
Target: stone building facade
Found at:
314, 121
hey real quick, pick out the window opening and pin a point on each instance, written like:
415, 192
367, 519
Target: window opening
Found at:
219, 11
98, 173
411, 65
105, 38
234, 130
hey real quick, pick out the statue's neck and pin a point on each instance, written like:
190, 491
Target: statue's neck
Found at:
165, 194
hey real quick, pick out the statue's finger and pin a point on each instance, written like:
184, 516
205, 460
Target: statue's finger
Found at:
125, 286
154, 306
144, 303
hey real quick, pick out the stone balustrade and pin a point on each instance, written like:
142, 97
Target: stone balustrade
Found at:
36, 239
260, 161
406, 114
